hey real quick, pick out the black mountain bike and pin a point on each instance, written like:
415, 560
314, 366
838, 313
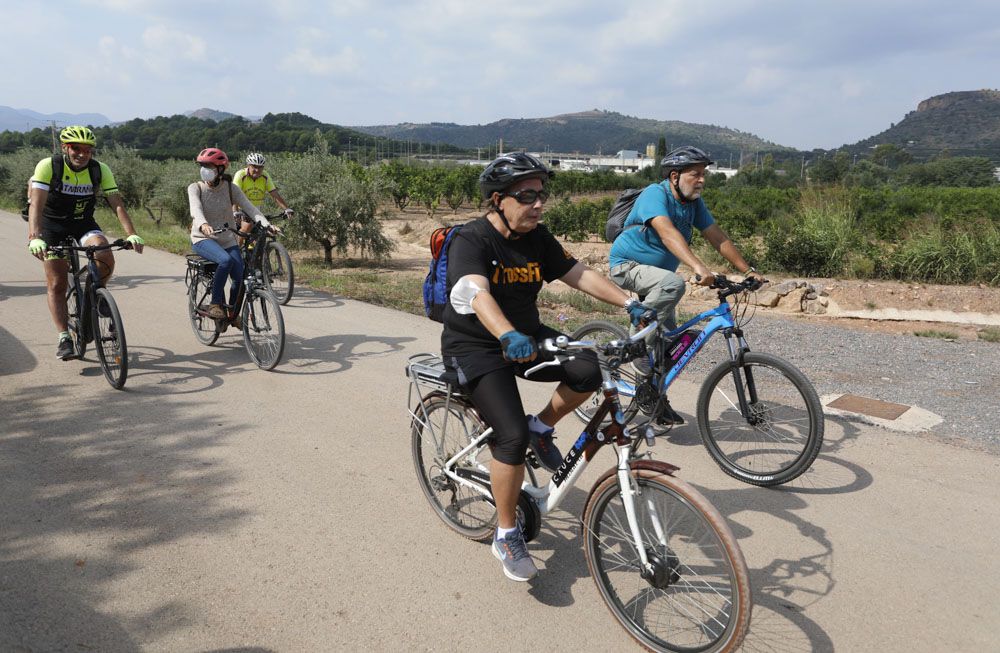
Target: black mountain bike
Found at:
256, 311
93, 313
279, 275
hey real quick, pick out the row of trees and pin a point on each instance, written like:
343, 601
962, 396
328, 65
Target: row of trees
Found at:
918, 221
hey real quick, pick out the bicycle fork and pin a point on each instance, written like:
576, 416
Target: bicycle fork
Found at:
629, 490
736, 355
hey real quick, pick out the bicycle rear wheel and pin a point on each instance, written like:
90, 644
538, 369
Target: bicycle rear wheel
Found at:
278, 273
109, 339
779, 434
697, 597
205, 329
604, 332
74, 309
447, 428
263, 328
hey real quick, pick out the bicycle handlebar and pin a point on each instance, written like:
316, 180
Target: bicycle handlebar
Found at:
69, 247
562, 345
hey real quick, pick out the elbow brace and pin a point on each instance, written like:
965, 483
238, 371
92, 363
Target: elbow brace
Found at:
462, 294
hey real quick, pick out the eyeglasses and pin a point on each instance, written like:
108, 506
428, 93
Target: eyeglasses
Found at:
530, 196
76, 148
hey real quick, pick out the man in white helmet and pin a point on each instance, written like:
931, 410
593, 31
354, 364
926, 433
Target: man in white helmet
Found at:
257, 184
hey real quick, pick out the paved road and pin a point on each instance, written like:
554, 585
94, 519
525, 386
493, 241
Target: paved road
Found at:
187, 514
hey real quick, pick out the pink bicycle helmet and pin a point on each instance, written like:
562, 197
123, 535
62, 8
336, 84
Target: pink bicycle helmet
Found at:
214, 156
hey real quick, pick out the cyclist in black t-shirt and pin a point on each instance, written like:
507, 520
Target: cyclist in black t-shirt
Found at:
496, 267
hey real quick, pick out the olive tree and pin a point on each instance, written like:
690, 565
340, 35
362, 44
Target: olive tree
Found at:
336, 202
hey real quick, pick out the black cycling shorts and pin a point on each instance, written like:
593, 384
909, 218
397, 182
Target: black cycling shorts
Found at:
495, 394
55, 232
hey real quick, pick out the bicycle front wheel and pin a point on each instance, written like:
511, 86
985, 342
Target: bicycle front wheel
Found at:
445, 429
263, 328
603, 332
278, 273
696, 596
109, 339
74, 309
760, 420
205, 329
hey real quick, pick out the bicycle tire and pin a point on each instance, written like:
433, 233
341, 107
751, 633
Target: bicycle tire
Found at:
263, 328
699, 597
205, 329
279, 275
453, 425
74, 307
603, 332
770, 449
109, 338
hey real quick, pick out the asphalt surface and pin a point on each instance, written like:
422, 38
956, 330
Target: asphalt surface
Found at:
213, 506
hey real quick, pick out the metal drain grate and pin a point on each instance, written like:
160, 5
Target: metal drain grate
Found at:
868, 406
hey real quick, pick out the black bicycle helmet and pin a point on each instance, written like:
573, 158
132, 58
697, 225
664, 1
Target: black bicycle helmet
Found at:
505, 171
683, 158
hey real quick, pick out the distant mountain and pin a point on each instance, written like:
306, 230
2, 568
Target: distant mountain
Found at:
24, 120
963, 123
586, 132
218, 116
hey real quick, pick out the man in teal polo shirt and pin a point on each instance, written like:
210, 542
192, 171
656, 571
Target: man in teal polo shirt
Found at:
657, 236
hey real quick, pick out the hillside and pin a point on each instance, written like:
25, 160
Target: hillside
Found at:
963, 123
589, 131
22, 120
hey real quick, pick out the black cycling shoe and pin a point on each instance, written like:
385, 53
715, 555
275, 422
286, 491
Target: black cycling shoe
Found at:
669, 417
65, 350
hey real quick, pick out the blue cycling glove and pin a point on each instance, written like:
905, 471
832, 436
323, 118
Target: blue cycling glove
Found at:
636, 311
517, 345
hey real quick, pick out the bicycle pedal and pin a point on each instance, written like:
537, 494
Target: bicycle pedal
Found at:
532, 460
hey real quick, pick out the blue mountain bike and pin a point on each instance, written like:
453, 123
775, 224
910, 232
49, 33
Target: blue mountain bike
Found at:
758, 415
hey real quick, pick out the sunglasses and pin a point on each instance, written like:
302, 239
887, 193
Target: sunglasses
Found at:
530, 196
80, 149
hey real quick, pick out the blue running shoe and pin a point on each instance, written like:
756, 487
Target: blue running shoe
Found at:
544, 448
513, 554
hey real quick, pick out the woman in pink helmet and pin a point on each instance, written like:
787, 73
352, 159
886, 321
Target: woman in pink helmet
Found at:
212, 201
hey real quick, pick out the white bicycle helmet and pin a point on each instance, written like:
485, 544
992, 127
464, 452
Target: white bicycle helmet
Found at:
255, 159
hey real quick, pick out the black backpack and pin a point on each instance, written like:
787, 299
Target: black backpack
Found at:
619, 213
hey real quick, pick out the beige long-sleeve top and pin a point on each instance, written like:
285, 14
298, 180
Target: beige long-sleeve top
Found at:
213, 206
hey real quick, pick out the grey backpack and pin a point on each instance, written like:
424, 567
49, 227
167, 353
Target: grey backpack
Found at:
619, 212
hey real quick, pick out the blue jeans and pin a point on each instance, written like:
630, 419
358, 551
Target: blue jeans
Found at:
230, 265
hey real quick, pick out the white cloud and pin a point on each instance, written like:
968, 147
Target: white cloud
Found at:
344, 63
161, 41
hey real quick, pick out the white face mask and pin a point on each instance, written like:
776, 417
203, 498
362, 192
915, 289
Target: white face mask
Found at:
208, 175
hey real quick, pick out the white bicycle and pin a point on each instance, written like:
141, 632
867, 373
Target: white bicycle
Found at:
663, 558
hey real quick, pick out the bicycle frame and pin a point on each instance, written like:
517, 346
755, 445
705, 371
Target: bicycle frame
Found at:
720, 319
547, 497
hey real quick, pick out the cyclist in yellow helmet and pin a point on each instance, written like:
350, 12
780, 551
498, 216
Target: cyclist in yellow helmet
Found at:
63, 207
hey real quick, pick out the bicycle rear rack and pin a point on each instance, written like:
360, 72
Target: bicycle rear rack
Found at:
430, 378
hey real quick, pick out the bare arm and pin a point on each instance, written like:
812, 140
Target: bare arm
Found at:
38, 199
487, 309
674, 241
586, 280
720, 241
279, 199
115, 201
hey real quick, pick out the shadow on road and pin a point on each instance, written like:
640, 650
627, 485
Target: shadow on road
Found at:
15, 358
335, 352
87, 490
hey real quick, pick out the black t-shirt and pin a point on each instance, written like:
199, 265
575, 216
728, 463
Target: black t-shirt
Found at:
515, 270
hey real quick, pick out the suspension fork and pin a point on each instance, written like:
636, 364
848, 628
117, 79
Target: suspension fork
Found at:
737, 345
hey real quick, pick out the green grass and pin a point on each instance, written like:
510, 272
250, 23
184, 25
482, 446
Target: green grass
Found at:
989, 334
935, 333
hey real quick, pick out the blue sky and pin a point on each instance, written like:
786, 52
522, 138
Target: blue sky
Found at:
803, 74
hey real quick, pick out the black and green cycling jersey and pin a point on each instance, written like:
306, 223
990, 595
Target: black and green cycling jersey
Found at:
76, 198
